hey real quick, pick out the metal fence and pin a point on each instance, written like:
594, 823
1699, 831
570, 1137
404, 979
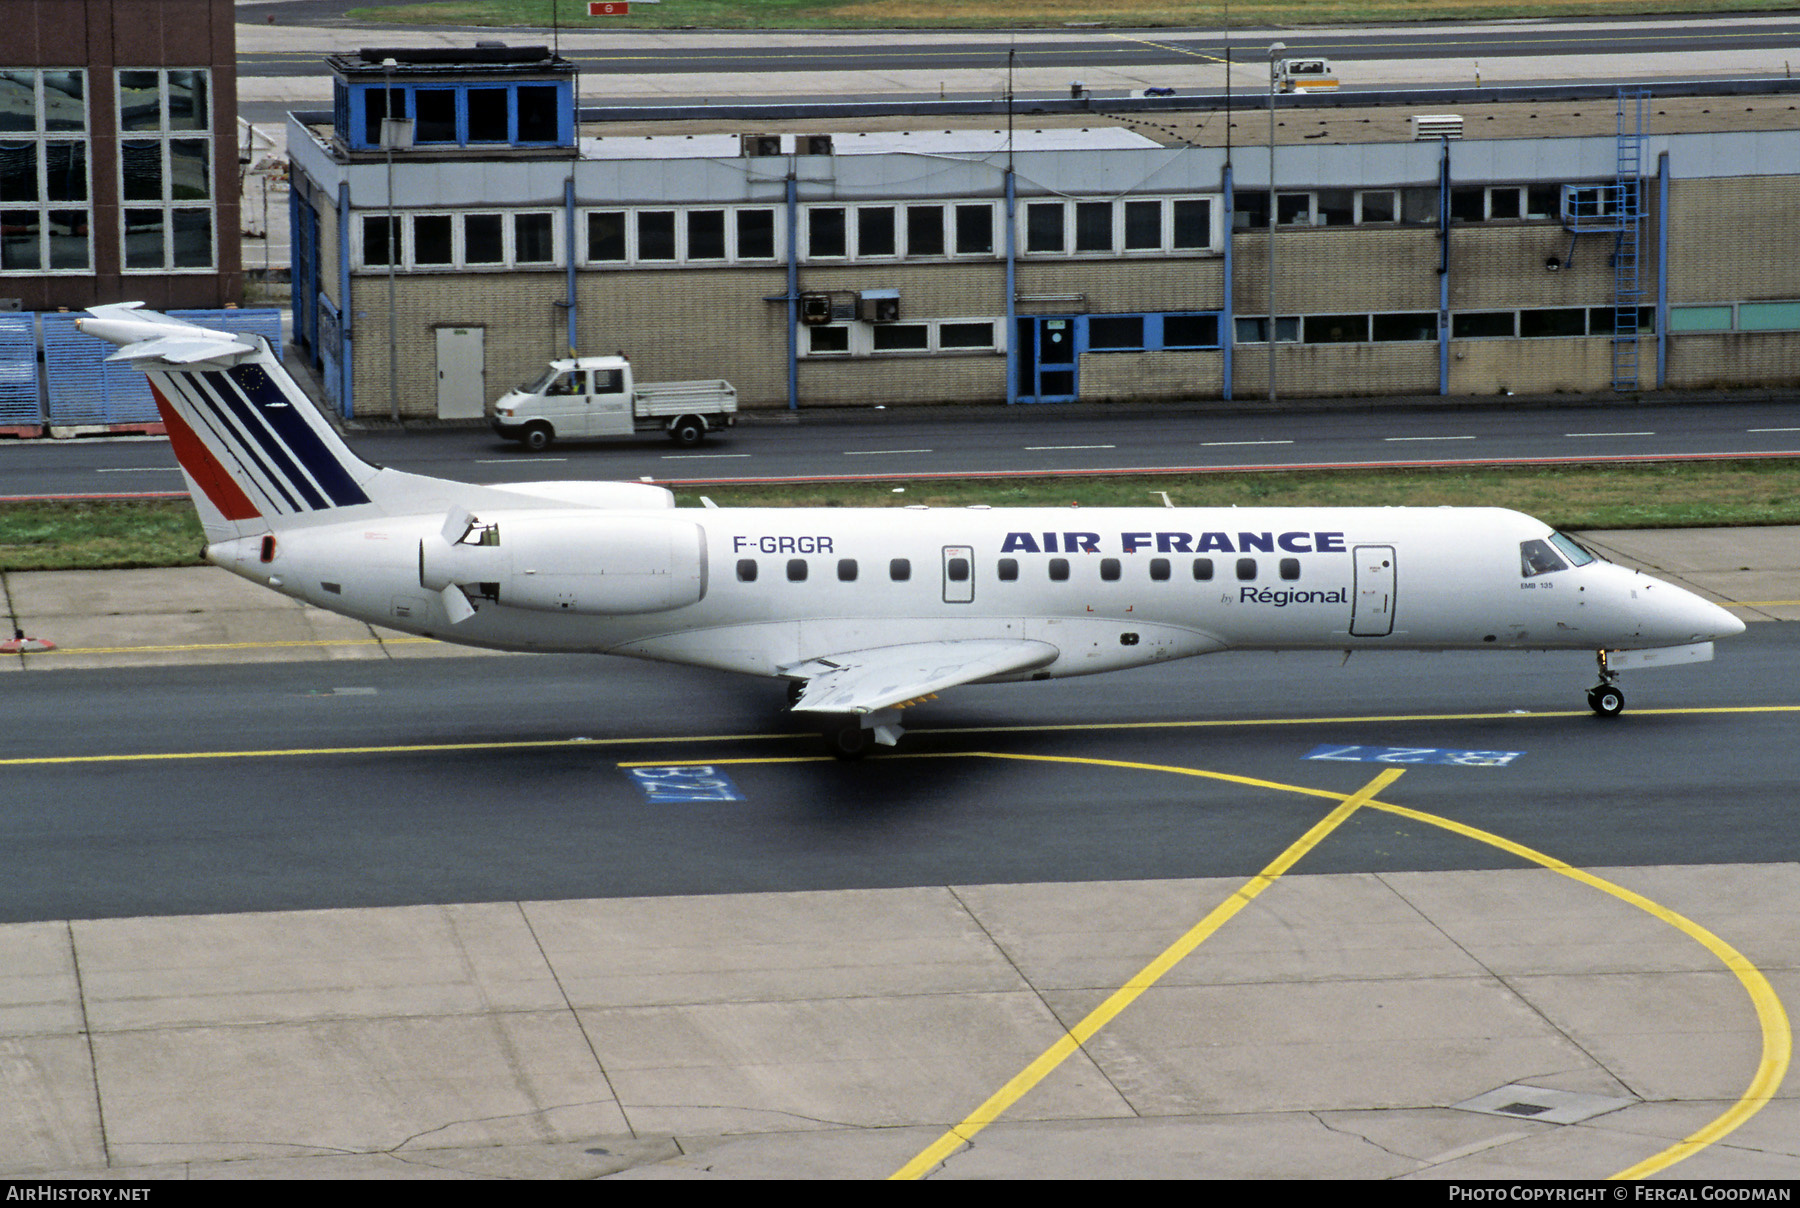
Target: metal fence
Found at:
85, 389
18, 372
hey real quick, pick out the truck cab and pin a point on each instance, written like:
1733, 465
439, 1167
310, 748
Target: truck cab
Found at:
596, 396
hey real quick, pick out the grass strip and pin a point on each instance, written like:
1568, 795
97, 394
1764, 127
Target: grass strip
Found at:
113, 535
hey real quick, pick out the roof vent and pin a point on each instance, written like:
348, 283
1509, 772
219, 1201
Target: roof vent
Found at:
1437, 125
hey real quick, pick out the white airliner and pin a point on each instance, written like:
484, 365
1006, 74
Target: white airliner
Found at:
864, 611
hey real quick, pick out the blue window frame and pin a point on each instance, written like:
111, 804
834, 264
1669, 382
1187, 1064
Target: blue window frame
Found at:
460, 114
1149, 331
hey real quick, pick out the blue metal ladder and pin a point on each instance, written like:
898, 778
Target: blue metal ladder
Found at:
1628, 246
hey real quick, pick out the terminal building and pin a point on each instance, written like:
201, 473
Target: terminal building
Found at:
456, 225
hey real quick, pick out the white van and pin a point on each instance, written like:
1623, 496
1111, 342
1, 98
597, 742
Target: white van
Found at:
595, 396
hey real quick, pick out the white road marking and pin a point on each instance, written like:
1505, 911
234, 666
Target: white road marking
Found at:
1052, 448
1394, 438
699, 456
515, 461
881, 452
139, 470
1226, 444
1772, 429
1574, 434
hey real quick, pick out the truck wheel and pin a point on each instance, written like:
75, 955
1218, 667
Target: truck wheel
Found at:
687, 432
537, 437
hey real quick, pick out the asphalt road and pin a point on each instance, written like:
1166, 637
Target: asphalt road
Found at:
918, 442
672, 52
295, 786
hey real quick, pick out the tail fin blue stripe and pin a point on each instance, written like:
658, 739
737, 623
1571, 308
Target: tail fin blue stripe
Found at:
250, 424
291, 427
227, 426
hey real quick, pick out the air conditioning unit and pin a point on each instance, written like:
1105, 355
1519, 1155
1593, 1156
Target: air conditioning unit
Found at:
813, 144
815, 309
878, 305
1426, 126
760, 144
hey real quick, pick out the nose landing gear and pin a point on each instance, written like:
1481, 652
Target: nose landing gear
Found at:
1606, 698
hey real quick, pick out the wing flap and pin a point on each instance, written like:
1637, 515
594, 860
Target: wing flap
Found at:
884, 677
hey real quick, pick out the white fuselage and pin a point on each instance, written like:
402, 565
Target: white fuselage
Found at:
1107, 587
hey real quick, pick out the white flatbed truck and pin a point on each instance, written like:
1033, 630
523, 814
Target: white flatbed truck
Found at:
596, 396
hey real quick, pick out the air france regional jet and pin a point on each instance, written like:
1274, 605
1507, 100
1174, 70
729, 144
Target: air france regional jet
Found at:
864, 612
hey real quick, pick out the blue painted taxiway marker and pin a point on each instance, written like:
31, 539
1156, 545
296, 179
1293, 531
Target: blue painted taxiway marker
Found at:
1413, 755
685, 782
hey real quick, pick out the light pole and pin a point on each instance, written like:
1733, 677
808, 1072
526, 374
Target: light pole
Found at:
388, 135
1275, 48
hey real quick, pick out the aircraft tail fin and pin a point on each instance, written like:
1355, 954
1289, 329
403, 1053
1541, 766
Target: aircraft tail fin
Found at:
257, 454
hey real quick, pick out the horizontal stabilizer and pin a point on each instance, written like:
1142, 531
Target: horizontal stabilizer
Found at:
864, 681
148, 335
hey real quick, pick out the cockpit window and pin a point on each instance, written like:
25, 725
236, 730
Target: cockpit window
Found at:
1572, 549
1537, 558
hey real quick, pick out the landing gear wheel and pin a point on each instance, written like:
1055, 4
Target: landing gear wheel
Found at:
688, 432
537, 438
1606, 700
849, 741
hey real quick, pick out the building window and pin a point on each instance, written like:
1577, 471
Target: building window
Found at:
756, 234
487, 115
431, 240
1562, 321
1377, 205
1415, 325
1115, 332
1044, 226
1483, 325
1190, 331
656, 235
1143, 226
45, 211
1700, 318
538, 112
924, 230
828, 340
1193, 226
606, 236
165, 168
534, 238
484, 239
434, 115
1254, 329
1335, 329
706, 235
901, 337
975, 230
1093, 226
966, 335
825, 233
875, 231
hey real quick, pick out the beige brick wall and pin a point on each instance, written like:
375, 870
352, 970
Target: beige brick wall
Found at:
1114, 286
1322, 270
1303, 370
1116, 377
1732, 240
896, 380
1502, 267
682, 324
1539, 366
1734, 359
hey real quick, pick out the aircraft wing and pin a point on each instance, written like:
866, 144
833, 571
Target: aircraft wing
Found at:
884, 677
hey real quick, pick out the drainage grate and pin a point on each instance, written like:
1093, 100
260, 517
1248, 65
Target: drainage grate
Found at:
1542, 1103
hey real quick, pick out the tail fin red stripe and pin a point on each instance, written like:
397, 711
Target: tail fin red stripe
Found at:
201, 466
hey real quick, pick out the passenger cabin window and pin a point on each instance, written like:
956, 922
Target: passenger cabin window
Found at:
1009, 570
796, 570
746, 570
1203, 569
957, 569
1109, 569
1059, 569
1538, 558
1159, 569
1290, 569
900, 569
1246, 569
846, 570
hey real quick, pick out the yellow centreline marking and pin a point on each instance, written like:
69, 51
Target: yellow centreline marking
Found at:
1129, 993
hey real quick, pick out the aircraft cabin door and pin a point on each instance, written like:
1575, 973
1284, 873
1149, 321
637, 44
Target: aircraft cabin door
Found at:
959, 574
1372, 610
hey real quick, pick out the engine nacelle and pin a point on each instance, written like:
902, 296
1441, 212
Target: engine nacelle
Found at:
587, 562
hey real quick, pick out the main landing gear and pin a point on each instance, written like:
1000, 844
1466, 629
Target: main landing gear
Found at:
1606, 698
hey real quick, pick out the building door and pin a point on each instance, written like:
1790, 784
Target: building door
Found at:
1372, 612
1047, 362
461, 377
